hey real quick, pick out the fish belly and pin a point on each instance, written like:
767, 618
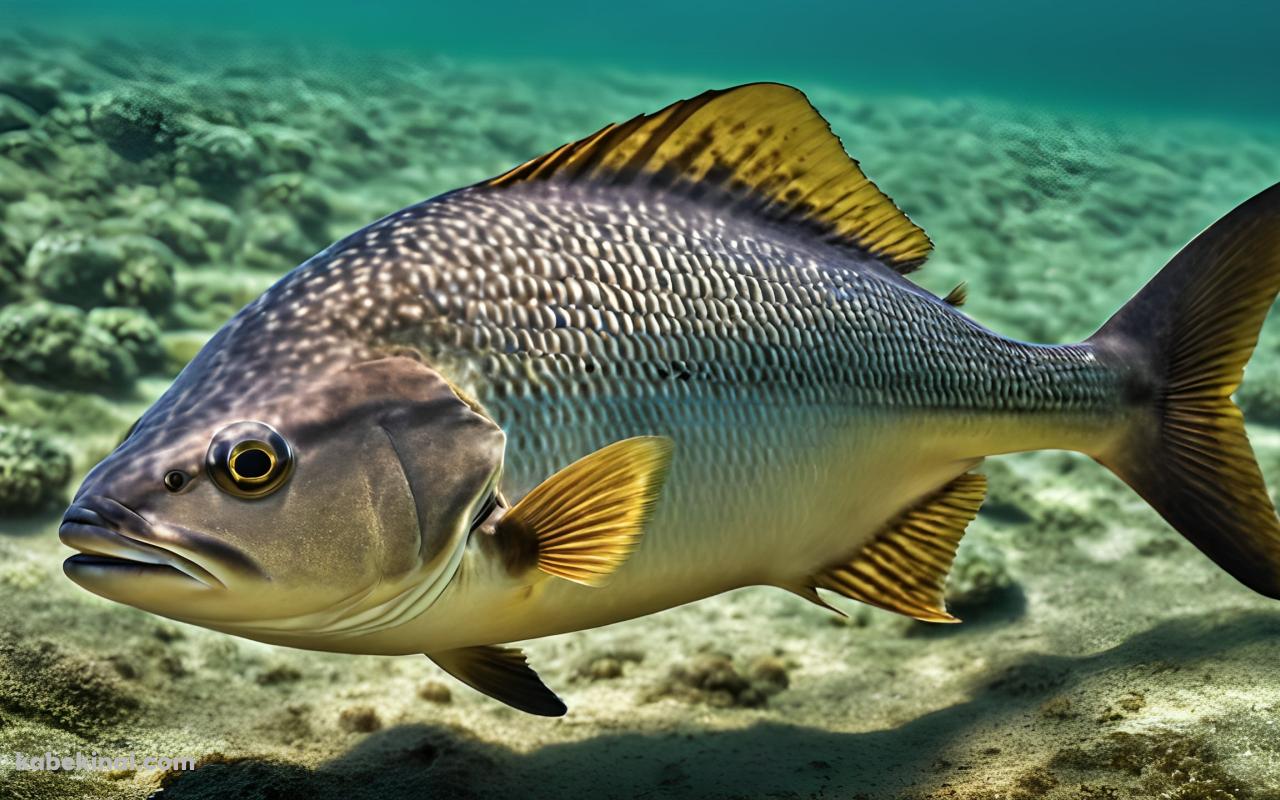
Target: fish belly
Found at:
784, 495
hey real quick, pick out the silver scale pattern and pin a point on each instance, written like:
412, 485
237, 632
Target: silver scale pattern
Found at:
580, 314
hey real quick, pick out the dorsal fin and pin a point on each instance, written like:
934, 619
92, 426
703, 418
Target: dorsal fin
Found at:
904, 568
958, 295
760, 146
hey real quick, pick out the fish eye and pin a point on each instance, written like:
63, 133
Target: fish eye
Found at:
249, 459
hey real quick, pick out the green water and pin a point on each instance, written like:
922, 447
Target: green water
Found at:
1188, 58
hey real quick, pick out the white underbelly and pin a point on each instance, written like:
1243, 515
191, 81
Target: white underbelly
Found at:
768, 517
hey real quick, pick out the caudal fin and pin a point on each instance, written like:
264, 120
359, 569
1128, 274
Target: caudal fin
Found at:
1188, 334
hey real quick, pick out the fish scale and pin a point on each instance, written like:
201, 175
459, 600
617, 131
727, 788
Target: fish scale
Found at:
748, 318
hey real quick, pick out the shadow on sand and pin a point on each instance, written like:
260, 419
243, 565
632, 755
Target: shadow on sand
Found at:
768, 759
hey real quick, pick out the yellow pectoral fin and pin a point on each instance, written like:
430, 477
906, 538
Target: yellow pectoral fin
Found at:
588, 517
904, 568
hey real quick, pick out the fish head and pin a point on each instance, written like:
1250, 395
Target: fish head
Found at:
316, 506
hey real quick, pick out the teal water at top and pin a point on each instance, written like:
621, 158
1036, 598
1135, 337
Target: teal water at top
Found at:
1191, 59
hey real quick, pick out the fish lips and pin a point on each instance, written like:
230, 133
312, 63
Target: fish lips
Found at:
122, 554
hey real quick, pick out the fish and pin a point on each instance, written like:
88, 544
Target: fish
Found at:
678, 357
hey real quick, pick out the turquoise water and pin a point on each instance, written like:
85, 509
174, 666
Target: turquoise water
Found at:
1148, 56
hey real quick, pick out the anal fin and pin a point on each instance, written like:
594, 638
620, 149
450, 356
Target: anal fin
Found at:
503, 674
904, 568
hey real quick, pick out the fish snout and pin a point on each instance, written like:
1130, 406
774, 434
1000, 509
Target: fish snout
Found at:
117, 544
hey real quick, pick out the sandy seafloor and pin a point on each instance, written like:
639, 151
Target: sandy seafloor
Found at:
1103, 656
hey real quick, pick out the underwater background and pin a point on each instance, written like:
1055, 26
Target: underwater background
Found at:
161, 164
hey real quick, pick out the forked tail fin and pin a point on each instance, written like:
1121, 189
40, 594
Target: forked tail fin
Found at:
1188, 335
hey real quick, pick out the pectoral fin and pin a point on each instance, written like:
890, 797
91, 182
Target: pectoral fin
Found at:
503, 674
904, 568
582, 523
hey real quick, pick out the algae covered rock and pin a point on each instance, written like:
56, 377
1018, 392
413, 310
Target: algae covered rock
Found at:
196, 229
126, 270
713, 679
145, 279
12, 257
15, 115
284, 149
55, 344
71, 268
34, 87
134, 331
33, 470
137, 124
275, 241
979, 579
299, 196
220, 157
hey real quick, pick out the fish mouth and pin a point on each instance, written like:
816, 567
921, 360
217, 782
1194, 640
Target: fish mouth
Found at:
116, 543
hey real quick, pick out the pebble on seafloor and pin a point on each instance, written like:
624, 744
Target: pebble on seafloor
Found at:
714, 679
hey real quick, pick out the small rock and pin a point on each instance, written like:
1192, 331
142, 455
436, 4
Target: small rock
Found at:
1058, 708
88, 271
34, 87
33, 470
284, 149
54, 343
14, 115
134, 331
274, 241
168, 633
712, 678
770, 672
435, 692
174, 666
979, 578
13, 254
196, 229
137, 124
359, 719
124, 666
220, 157
281, 673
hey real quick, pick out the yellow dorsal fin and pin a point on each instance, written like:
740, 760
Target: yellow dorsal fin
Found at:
761, 146
904, 568
586, 519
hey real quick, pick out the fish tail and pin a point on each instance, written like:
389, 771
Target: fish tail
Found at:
1184, 340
